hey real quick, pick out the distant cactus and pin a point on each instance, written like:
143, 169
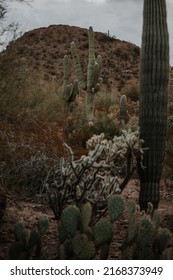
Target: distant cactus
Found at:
154, 78
123, 109
77, 66
28, 243
69, 91
92, 85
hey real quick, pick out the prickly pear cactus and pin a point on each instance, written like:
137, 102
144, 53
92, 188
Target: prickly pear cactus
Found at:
146, 240
27, 243
132, 221
70, 219
83, 248
103, 232
79, 238
162, 240
85, 216
116, 207
145, 232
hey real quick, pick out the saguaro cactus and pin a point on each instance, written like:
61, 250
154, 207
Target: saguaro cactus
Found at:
93, 72
92, 85
123, 109
69, 91
154, 78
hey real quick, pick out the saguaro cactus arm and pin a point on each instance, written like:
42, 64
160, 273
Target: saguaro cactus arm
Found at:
77, 66
69, 91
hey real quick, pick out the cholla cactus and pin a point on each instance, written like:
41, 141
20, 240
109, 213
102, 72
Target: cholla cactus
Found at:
127, 146
170, 122
98, 175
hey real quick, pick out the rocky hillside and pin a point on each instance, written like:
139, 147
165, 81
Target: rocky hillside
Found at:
44, 49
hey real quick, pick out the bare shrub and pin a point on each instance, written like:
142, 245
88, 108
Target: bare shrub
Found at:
131, 90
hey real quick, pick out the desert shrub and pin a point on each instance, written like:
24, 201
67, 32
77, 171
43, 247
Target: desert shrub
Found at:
108, 37
18, 100
78, 130
30, 151
122, 53
106, 124
131, 90
104, 101
27, 175
21, 94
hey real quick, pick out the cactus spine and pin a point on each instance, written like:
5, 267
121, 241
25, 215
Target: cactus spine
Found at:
154, 78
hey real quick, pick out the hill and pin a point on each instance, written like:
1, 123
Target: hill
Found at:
44, 49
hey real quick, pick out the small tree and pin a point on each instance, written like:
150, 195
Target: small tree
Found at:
8, 31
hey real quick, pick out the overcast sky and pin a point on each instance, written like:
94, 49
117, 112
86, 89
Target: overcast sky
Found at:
123, 18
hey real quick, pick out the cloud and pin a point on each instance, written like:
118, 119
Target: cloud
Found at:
123, 18
96, 1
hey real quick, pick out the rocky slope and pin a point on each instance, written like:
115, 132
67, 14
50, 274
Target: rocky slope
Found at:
43, 50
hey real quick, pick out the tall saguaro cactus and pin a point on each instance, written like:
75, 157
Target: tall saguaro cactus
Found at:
93, 72
154, 79
92, 85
